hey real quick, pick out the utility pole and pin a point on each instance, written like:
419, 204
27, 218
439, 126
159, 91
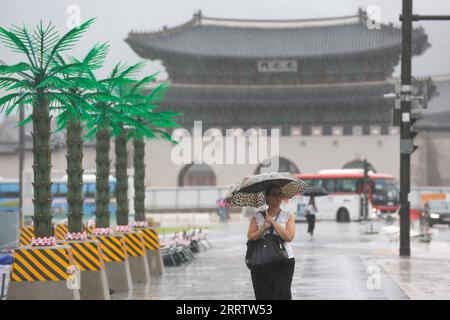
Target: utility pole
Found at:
407, 146
406, 143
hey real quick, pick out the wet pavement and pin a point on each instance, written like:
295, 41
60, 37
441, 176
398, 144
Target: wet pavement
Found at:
340, 262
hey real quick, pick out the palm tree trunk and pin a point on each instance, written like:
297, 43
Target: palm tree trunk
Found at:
42, 164
74, 171
122, 178
102, 179
139, 179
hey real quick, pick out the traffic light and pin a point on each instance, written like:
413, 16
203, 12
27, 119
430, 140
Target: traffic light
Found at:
407, 145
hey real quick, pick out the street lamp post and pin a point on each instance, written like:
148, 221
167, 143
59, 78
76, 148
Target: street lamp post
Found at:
406, 135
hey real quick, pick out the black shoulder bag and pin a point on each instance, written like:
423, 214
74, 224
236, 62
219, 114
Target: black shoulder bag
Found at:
267, 250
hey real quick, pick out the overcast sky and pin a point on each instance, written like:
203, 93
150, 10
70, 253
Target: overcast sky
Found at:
116, 18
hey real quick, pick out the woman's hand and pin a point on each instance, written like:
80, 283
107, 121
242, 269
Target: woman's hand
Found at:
288, 233
269, 219
267, 225
253, 232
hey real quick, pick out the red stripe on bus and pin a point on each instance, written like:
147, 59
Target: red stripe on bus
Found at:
343, 176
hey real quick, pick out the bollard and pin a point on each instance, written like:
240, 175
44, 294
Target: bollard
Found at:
371, 230
424, 227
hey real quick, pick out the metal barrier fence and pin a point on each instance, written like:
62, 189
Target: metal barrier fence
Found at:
182, 198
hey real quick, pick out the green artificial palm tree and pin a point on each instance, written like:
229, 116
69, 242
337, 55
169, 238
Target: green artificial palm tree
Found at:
110, 115
156, 121
141, 107
37, 81
72, 117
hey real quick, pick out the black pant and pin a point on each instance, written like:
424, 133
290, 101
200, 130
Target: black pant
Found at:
311, 218
273, 282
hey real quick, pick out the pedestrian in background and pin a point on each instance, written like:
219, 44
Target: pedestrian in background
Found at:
310, 213
223, 211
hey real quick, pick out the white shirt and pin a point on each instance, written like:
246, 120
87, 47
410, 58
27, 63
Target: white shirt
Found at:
310, 209
281, 220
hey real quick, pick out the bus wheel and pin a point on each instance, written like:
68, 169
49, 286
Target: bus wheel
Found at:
342, 215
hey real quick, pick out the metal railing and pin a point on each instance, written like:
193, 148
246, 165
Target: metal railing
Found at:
182, 198
185, 198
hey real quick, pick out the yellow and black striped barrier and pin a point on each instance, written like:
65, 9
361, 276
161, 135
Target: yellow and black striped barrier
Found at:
112, 247
134, 244
89, 230
41, 264
26, 234
151, 239
61, 230
87, 255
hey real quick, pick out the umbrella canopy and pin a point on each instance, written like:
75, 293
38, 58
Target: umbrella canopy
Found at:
250, 193
315, 192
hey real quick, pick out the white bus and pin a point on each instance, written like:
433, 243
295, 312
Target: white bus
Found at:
344, 201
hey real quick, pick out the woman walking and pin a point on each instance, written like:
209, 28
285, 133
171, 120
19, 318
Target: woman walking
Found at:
273, 282
310, 213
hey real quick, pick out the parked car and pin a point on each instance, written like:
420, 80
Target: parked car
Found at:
437, 212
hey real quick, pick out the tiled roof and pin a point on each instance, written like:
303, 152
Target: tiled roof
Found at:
228, 38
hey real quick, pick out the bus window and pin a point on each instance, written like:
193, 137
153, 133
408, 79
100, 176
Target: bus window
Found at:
309, 182
112, 188
9, 190
327, 184
384, 192
59, 189
63, 189
346, 185
89, 189
54, 189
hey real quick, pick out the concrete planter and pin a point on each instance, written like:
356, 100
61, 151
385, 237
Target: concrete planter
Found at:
116, 262
41, 273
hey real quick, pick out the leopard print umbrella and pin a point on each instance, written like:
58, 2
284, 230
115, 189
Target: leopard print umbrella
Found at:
250, 193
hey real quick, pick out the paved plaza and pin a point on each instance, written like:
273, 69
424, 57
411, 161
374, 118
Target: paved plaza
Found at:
342, 261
